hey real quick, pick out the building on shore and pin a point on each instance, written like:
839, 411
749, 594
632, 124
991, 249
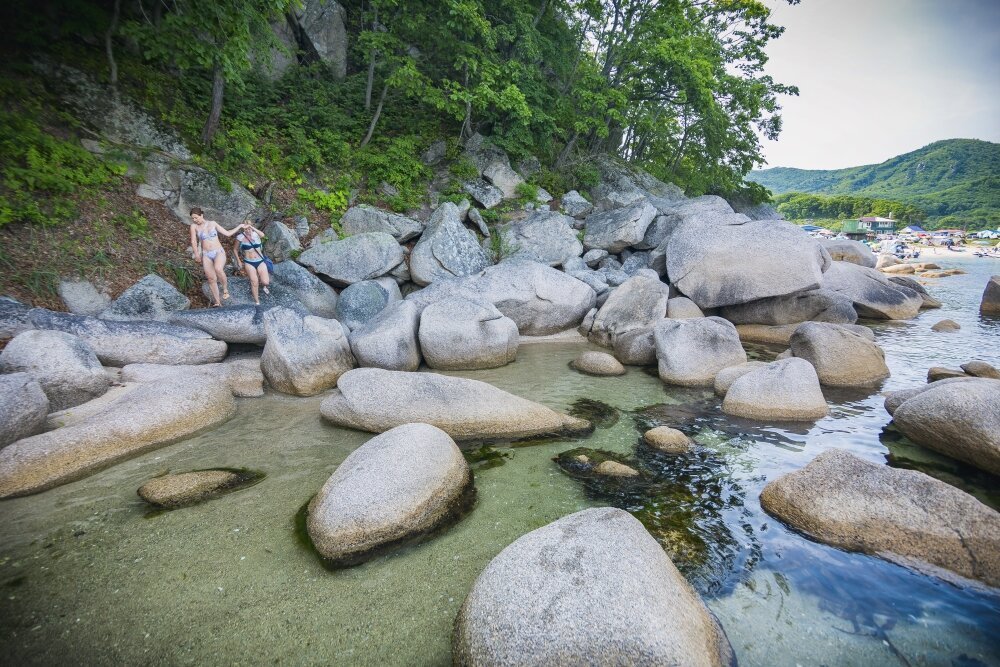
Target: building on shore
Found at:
868, 227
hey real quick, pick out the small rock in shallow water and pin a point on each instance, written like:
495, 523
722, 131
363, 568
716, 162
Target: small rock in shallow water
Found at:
981, 369
666, 439
936, 373
187, 488
615, 469
597, 363
946, 325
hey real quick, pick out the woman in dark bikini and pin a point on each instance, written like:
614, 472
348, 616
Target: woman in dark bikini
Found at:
248, 247
208, 250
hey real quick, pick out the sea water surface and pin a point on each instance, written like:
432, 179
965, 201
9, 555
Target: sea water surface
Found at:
89, 575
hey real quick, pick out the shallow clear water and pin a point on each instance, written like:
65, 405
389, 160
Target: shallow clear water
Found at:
85, 574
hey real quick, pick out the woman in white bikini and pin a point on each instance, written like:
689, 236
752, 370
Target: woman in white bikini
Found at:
249, 248
208, 250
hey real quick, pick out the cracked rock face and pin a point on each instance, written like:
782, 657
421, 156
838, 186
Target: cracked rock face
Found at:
355, 258
618, 229
446, 249
902, 515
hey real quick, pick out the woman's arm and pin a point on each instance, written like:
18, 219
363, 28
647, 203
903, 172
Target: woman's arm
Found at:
236, 254
226, 232
194, 244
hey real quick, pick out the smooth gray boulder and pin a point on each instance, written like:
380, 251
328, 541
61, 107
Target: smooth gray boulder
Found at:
575, 206
636, 347
902, 515
364, 218
240, 294
304, 355
727, 376
905, 281
319, 298
727, 259
486, 195
242, 375
65, 366
786, 390
618, 229
504, 178
446, 249
597, 363
232, 324
692, 352
683, 308
893, 399
459, 334
321, 33
152, 298
376, 400
23, 407
673, 213
990, 303
855, 252
841, 357
639, 302
81, 297
354, 258
388, 340
546, 236
959, 418
122, 343
819, 305
281, 243
146, 417
593, 258
360, 302
13, 317
549, 599
541, 300
398, 486
871, 292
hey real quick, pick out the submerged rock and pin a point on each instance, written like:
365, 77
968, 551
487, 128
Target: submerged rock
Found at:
786, 390
377, 400
149, 416
902, 515
946, 325
65, 366
188, 488
597, 363
548, 599
692, 352
666, 439
937, 373
958, 418
981, 369
304, 355
397, 486
23, 407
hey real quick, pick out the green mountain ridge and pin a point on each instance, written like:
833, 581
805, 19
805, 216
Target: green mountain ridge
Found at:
955, 181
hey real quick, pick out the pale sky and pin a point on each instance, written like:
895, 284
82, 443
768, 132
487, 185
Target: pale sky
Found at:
878, 78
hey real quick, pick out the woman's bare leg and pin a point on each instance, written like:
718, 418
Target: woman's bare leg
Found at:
251, 274
265, 277
220, 270
213, 280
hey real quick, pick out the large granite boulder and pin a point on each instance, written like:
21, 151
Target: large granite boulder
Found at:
320, 28
145, 417
728, 259
503, 178
618, 229
820, 305
365, 218
593, 588
638, 303
841, 357
486, 195
228, 205
459, 334
600, 364
871, 292
23, 407
675, 213
65, 366
855, 252
122, 343
388, 340
990, 303
547, 237
243, 376
725, 378
360, 302
446, 249
152, 298
959, 418
376, 400
692, 352
683, 308
81, 297
318, 297
541, 300
398, 486
13, 317
575, 206
636, 347
786, 390
281, 243
902, 515
355, 258
304, 355
232, 324
616, 175
926, 298
241, 294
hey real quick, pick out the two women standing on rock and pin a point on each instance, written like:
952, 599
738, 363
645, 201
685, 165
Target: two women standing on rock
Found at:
209, 251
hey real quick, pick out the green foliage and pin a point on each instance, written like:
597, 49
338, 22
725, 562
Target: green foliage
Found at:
500, 247
463, 169
334, 203
397, 163
135, 223
526, 192
554, 183
798, 206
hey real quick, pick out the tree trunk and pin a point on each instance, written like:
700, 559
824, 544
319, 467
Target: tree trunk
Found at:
567, 151
378, 112
371, 67
108, 48
466, 130
212, 124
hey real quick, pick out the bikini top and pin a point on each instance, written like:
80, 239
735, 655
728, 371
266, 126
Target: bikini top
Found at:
254, 241
208, 235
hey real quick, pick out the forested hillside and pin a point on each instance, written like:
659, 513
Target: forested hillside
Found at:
954, 182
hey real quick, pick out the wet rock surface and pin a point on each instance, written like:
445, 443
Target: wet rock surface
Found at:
597, 363
190, 488
842, 358
668, 440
